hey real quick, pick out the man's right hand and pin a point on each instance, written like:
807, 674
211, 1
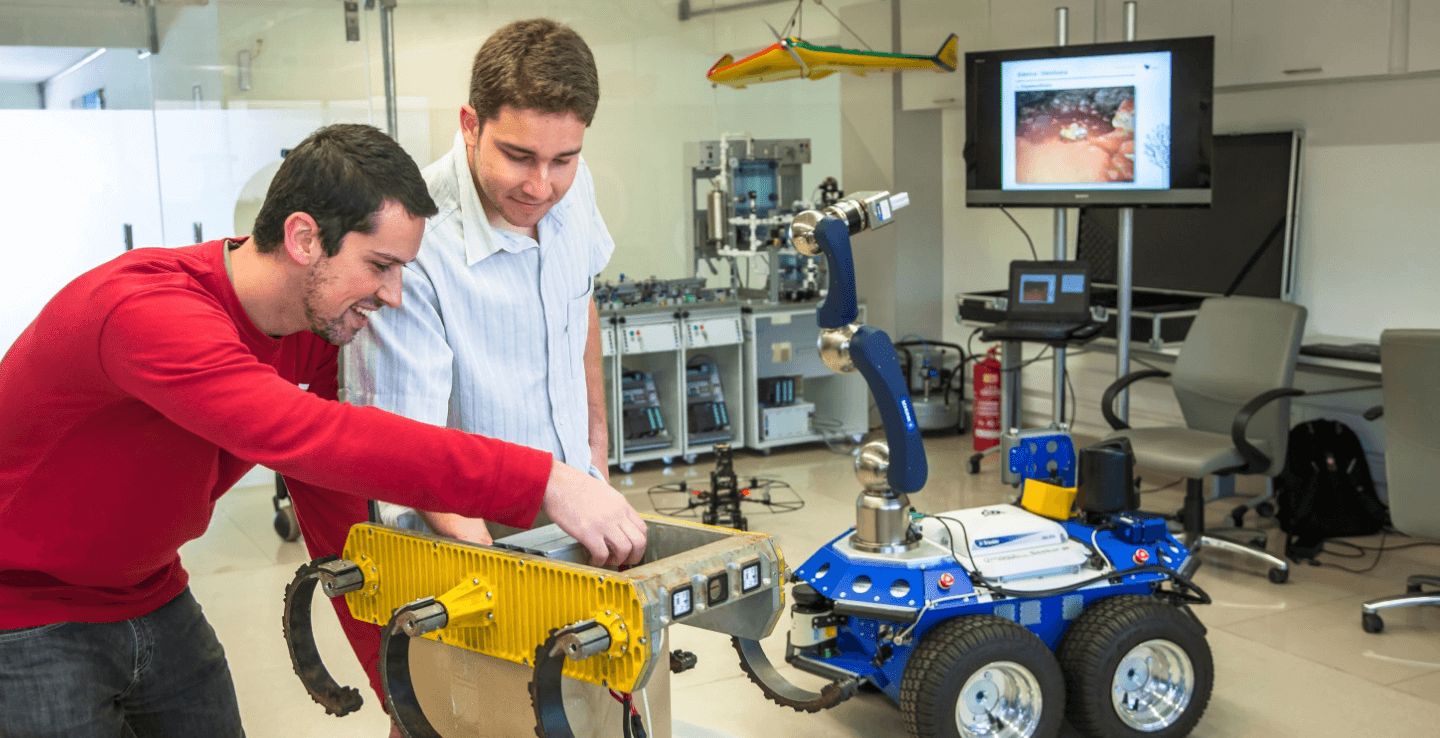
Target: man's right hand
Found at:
596, 515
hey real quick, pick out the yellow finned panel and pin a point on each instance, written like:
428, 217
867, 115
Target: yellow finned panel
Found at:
531, 597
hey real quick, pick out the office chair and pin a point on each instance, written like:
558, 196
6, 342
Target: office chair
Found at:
1232, 380
1411, 403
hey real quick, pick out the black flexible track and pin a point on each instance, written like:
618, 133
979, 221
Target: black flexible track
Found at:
545, 693
780, 690
300, 638
400, 696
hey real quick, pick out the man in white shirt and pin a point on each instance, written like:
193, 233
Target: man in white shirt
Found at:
499, 334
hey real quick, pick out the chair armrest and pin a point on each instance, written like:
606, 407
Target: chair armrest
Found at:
1374, 412
1255, 460
1107, 401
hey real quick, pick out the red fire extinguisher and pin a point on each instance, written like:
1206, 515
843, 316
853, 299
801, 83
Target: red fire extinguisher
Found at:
987, 401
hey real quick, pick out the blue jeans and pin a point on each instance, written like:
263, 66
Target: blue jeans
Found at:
161, 675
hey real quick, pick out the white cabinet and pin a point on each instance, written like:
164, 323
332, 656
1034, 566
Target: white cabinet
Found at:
1297, 40
1177, 19
924, 26
1019, 24
1424, 35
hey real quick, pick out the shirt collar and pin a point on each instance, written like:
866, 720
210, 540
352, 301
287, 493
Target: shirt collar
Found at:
481, 238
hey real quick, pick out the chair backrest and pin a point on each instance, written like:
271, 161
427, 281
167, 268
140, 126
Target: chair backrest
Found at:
1408, 360
1237, 348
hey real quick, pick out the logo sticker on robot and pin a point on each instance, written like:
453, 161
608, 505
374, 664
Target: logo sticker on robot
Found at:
1141, 556
999, 540
908, 412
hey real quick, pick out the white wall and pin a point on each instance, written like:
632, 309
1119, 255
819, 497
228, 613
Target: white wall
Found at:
19, 96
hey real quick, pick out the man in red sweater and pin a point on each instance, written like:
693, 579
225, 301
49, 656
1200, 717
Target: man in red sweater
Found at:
151, 384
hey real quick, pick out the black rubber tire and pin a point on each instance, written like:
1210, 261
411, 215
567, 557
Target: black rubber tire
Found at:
953, 651
1371, 622
1278, 575
1105, 632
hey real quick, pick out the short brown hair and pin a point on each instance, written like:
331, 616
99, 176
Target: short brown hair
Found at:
535, 64
341, 175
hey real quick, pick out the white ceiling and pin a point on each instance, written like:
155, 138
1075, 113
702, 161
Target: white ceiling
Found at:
36, 63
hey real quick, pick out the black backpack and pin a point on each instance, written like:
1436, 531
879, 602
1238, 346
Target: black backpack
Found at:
1326, 489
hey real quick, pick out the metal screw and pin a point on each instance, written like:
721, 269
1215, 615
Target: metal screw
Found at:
474, 581
489, 595
490, 616
641, 639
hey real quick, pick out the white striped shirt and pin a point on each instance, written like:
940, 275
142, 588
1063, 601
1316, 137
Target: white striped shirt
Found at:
490, 337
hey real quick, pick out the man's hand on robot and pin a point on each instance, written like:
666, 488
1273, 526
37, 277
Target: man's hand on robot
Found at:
595, 515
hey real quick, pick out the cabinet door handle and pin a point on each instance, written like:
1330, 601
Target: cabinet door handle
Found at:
1306, 70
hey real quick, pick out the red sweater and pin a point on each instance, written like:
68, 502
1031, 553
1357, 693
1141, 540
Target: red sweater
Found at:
143, 391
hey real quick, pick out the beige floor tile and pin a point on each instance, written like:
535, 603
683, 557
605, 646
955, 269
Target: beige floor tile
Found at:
1425, 687
1329, 633
1264, 692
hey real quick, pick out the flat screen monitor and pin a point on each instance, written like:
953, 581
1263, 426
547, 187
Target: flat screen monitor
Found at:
1125, 124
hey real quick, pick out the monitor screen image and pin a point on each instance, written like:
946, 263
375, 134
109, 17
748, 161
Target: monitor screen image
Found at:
1037, 289
1122, 124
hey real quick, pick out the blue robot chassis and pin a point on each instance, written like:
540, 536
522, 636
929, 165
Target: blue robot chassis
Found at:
989, 621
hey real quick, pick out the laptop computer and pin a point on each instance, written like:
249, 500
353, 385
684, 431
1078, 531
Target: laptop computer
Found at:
1048, 301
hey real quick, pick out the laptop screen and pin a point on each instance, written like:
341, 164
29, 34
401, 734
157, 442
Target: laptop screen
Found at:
1049, 290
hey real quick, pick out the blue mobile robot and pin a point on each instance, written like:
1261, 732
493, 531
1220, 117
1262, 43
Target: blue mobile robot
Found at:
993, 621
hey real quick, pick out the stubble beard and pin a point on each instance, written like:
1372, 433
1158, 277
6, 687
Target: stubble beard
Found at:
333, 329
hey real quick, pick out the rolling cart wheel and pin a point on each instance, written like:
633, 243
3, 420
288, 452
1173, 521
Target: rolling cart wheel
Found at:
1136, 666
627, 466
1278, 575
974, 464
287, 526
667, 460
1371, 622
690, 458
1265, 509
973, 673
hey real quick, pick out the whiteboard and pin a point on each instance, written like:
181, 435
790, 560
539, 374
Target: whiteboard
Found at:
1369, 243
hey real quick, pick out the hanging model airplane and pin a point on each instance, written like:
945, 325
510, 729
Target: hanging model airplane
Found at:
791, 58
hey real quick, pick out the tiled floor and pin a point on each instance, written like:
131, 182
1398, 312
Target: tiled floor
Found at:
1291, 660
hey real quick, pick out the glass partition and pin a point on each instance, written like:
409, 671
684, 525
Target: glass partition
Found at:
81, 181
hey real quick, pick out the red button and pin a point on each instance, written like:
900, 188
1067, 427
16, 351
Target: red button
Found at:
946, 580
1141, 556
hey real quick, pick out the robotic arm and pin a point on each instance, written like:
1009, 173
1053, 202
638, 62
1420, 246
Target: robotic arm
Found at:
847, 345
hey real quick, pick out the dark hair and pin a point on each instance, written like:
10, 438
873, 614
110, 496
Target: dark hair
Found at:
535, 64
341, 176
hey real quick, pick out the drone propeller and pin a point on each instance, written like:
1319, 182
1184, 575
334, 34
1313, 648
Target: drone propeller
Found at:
785, 44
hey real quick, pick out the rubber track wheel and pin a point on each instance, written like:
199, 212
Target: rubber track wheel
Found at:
951, 652
1107, 630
